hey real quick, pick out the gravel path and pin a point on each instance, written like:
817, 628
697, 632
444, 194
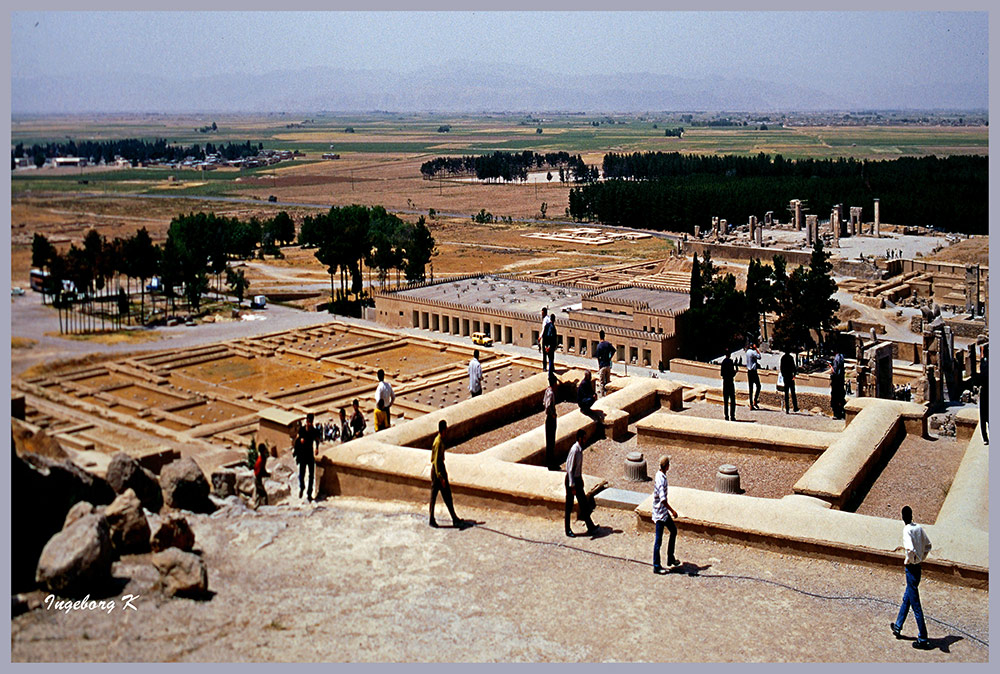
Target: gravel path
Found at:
362, 580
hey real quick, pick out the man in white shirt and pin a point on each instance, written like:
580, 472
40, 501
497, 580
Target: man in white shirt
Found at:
475, 375
663, 516
574, 486
384, 394
916, 545
753, 376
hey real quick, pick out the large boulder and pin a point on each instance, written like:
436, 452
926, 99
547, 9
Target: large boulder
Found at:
244, 482
277, 492
185, 487
172, 532
129, 528
77, 560
124, 472
42, 492
224, 482
30, 440
79, 509
181, 573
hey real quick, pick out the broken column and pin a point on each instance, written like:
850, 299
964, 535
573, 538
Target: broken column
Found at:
769, 219
880, 369
856, 220
797, 206
715, 226
876, 225
835, 225
811, 229
760, 235
753, 227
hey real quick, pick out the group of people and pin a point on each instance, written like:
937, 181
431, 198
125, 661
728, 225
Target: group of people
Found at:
787, 370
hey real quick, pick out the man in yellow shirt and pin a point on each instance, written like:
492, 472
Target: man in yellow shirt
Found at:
381, 417
439, 478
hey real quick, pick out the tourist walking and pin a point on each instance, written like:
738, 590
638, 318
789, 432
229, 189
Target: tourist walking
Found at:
728, 371
663, 516
439, 478
259, 473
837, 385
550, 340
984, 394
303, 454
753, 376
574, 487
358, 423
384, 393
787, 369
381, 417
475, 375
604, 353
916, 546
549, 404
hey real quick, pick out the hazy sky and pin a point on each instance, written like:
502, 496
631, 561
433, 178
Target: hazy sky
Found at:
815, 49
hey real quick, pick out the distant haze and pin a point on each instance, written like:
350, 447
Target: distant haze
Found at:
231, 62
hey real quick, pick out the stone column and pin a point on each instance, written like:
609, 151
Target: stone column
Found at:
753, 227
856, 221
812, 232
697, 231
876, 224
723, 226
798, 214
760, 235
835, 225
769, 219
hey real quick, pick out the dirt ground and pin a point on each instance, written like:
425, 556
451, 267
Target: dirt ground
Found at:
357, 580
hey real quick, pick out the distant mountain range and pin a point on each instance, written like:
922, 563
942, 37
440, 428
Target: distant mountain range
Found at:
455, 88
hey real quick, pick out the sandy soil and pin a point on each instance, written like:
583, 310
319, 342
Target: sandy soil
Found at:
352, 580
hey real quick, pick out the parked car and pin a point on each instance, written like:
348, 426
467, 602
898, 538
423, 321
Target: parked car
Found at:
272, 198
16, 290
481, 339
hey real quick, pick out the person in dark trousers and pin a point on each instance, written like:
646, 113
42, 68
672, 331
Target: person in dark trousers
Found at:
545, 322
550, 340
663, 516
753, 376
574, 487
604, 353
304, 457
787, 368
259, 473
728, 371
837, 385
358, 423
984, 394
439, 478
549, 403
916, 546
345, 428
585, 397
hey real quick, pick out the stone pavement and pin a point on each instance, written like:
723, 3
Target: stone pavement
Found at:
362, 580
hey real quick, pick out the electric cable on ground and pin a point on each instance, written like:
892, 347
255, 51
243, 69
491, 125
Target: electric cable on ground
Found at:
729, 576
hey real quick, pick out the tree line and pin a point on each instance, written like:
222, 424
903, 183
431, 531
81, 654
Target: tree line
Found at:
349, 238
506, 166
198, 245
674, 192
133, 149
721, 318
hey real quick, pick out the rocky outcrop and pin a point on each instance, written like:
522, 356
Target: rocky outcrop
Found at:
224, 482
42, 492
77, 560
181, 573
185, 487
124, 472
127, 521
172, 532
79, 509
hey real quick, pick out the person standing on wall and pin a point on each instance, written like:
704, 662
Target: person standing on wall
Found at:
574, 487
549, 404
550, 340
916, 546
753, 376
984, 394
663, 516
259, 473
475, 375
604, 353
837, 385
545, 321
345, 428
787, 369
439, 478
728, 371
303, 454
384, 393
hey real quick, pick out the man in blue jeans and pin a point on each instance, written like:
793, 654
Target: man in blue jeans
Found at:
916, 545
663, 516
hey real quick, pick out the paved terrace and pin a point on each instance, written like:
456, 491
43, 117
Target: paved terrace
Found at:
501, 293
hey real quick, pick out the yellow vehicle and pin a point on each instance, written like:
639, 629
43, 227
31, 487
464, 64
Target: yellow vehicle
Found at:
481, 339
